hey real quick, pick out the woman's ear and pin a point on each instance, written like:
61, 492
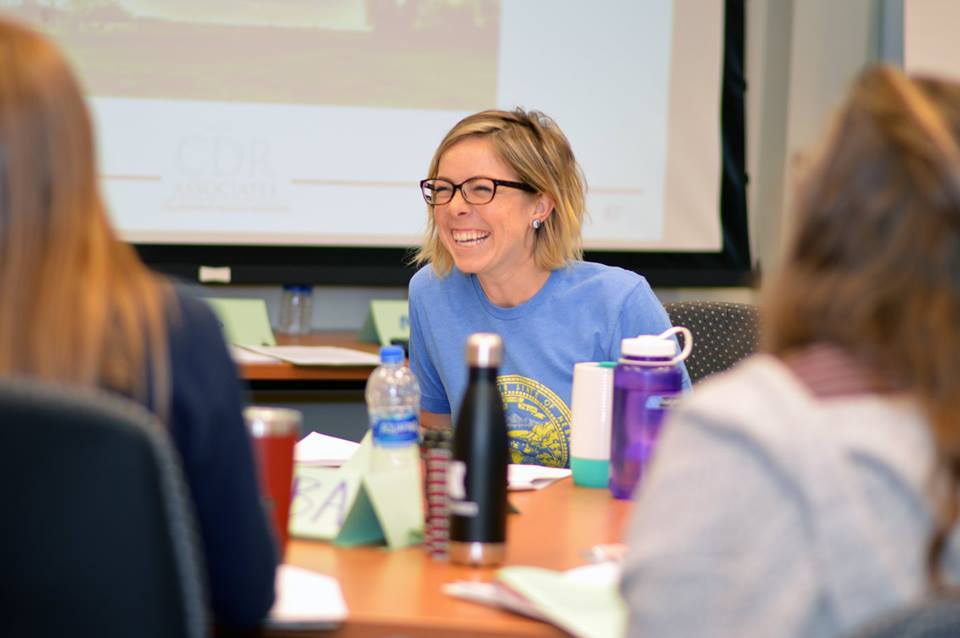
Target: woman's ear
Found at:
544, 207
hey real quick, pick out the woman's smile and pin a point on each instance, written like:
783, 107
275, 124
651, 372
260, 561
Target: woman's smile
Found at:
469, 238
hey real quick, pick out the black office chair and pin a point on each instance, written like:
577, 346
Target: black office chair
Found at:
938, 618
723, 334
97, 537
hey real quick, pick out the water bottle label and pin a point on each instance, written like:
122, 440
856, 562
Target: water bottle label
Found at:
464, 508
456, 474
661, 401
456, 490
396, 432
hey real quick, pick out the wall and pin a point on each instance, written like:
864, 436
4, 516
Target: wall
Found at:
801, 56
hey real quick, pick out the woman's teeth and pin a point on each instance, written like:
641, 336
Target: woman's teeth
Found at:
469, 237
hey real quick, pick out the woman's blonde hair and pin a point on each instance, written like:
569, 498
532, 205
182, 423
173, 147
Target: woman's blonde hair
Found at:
535, 148
76, 305
874, 263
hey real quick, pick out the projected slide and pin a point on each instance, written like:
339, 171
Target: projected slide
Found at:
296, 122
285, 51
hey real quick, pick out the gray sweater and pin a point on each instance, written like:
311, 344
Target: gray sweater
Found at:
771, 512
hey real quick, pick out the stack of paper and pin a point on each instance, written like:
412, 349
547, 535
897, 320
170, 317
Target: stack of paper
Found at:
324, 450
306, 600
318, 355
533, 477
242, 356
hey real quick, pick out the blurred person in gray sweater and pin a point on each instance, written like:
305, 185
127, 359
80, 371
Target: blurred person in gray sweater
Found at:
815, 486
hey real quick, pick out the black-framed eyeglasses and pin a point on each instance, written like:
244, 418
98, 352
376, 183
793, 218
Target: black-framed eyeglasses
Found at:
476, 190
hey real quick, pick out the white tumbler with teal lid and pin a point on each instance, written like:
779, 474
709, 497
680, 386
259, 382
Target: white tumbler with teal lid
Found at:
591, 408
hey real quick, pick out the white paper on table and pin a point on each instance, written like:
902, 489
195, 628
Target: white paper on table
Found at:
323, 449
306, 599
242, 355
318, 355
533, 477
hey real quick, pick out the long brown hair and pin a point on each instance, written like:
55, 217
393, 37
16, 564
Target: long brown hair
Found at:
874, 263
76, 304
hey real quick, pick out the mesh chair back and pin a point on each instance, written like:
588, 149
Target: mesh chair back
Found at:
97, 538
938, 618
723, 334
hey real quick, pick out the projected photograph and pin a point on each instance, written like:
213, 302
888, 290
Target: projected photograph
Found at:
427, 54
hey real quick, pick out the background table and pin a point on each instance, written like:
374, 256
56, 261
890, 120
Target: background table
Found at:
330, 397
286, 376
398, 594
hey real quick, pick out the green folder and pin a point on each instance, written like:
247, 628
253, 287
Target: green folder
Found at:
584, 607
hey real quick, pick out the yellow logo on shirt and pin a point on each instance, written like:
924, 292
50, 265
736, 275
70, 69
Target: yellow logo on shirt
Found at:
538, 422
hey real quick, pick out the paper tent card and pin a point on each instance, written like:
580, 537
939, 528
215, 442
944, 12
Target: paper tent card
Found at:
387, 320
352, 505
244, 321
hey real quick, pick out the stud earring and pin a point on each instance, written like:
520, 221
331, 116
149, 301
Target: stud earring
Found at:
535, 224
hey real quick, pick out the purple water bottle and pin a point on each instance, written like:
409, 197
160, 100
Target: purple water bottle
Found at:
647, 380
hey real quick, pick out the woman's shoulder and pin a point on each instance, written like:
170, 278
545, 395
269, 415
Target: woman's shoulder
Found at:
195, 335
594, 273
189, 305
425, 276
426, 281
758, 382
590, 279
190, 316
762, 401
754, 408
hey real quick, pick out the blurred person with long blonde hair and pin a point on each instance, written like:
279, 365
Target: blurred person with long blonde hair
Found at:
78, 307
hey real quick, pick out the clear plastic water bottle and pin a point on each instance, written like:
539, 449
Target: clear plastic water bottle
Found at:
296, 309
646, 381
393, 405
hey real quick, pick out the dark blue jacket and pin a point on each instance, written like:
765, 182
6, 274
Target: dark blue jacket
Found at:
207, 426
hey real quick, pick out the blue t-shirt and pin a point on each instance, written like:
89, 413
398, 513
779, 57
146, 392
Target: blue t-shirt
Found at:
581, 314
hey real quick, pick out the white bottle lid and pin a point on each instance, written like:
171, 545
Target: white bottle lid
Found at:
648, 346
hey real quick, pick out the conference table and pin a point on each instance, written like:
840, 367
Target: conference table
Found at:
399, 593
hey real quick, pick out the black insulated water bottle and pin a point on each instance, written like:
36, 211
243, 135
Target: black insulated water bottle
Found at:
477, 473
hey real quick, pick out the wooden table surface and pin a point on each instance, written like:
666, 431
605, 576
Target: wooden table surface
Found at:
398, 593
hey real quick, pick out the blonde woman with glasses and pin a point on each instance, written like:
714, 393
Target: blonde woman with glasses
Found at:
502, 253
